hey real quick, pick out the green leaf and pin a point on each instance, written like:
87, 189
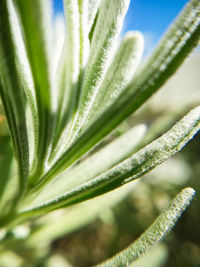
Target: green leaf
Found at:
25, 75
68, 73
175, 46
119, 74
12, 94
35, 22
84, 33
107, 29
74, 59
130, 169
94, 165
156, 232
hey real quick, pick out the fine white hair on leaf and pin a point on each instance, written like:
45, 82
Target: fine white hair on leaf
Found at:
119, 74
107, 30
131, 168
156, 232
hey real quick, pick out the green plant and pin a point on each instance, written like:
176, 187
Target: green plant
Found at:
58, 113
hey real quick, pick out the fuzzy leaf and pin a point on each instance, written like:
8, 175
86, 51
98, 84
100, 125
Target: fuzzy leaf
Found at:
175, 46
156, 232
12, 94
130, 169
35, 21
84, 33
68, 73
94, 165
25, 75
119, 74
108, 27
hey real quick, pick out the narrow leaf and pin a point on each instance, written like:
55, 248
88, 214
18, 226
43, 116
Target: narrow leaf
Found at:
156, 232
108, 27
84, 33
77, 51
119, 74
12, 95
132, 168
175, 46
94, 165
68, 74
36, 26
25, 75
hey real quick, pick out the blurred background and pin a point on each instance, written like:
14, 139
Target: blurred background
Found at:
119, 226
94, 231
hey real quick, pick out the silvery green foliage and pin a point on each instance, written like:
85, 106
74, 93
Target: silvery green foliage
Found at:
161, 226
59, 109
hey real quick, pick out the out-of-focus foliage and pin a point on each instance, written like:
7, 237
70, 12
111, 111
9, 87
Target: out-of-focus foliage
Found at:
61, 97
132, 216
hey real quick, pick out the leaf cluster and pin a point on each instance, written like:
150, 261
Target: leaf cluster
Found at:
60, 104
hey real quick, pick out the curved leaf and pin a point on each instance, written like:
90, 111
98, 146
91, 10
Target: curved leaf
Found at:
12, 94
94, 165
74, 60
119, 74
35, 21
130, 169
175, 46
156, 232
107, 29
68, 74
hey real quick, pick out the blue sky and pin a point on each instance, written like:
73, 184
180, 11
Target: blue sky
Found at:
151, 17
